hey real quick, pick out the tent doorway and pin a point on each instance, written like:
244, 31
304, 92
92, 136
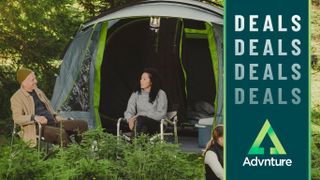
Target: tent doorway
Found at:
102, 64
182, 59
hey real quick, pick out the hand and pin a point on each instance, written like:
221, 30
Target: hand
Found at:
58, 118
41, 119
131, 122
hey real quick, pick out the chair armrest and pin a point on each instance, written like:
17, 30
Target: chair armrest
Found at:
122, 119
16, 125
61, 118
118, 125
27, 123
165, 120
38, 124
171, 120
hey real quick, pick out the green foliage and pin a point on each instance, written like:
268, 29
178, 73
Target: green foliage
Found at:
21, 162
316, 2
161, 160
8, 85
214, 2
96, 7
36, 31
33, 34
315, 115
315, 143
315, 156
102, 156
315, 31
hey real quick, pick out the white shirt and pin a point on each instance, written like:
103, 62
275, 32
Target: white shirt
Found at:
211, 159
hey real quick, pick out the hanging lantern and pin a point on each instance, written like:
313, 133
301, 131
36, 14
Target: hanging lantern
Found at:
154, 23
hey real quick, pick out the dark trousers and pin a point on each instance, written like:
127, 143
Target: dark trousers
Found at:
60, 132
147, 126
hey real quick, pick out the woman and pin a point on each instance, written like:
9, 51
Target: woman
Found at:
214, 155
147, 105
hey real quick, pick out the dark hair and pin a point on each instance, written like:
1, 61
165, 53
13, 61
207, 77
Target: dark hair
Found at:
156, 83
216, 133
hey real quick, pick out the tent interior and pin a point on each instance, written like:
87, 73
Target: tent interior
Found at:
183, 61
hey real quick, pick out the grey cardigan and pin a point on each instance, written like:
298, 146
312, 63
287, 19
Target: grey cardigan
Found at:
139, 105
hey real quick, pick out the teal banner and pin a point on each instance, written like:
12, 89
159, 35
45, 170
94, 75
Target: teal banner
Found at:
267, 89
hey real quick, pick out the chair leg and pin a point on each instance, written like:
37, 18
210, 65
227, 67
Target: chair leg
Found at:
47, 148
161, 130
119, 132
175, 132
118, 128
12, 138
135, 133
13, 134
39, 137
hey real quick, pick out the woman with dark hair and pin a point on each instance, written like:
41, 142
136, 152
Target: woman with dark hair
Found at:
213, 155
147, 105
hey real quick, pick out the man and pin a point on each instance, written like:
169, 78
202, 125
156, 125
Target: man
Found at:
30, 105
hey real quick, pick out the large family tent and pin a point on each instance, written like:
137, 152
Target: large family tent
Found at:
182, 39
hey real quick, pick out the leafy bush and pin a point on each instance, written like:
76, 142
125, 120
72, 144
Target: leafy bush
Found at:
315, 145
160, 160
8, 85
102, 156
21, 162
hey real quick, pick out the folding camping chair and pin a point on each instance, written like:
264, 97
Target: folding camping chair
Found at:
170, 120
16, 131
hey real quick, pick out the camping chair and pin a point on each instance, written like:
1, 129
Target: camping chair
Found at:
16, 131
170, 120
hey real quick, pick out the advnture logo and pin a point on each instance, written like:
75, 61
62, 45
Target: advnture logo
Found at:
267, 129
276, 150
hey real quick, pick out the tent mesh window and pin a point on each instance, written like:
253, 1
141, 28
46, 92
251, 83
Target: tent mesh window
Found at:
79, 96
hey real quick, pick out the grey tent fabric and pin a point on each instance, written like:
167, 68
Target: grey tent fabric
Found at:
93, 49
78, 99
74, 88
79, 102
78, 115
218, 35
69, 71
169, 8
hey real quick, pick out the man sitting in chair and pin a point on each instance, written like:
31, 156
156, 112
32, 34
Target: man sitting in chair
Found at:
147, 105
30, 105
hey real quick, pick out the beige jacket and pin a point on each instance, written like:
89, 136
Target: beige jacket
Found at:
23, 108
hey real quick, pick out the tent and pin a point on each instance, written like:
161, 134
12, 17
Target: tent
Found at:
182, 39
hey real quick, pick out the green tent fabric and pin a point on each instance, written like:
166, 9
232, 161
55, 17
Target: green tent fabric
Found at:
96, 94
208, 34
103, 63
215, 62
